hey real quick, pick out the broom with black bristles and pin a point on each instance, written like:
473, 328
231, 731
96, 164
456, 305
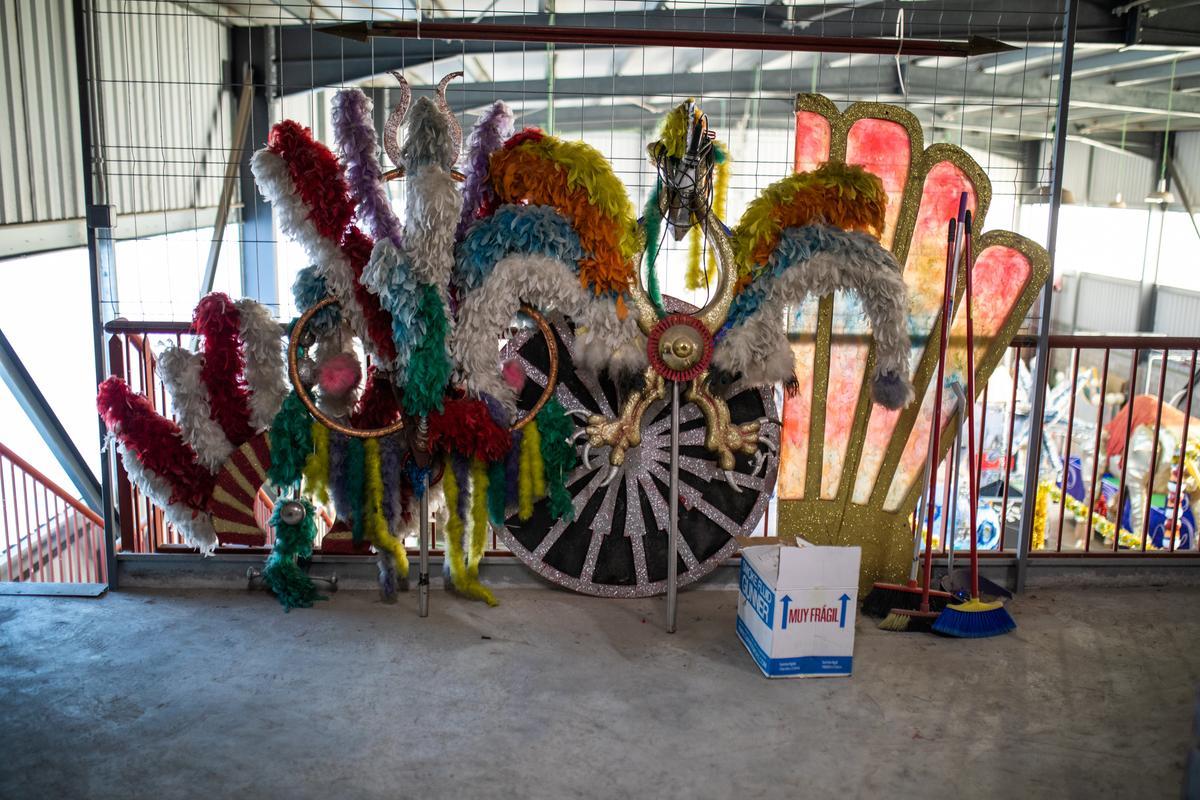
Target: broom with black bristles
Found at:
923, 617
973, 619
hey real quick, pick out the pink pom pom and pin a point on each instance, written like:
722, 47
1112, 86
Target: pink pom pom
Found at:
514, 376
340, 374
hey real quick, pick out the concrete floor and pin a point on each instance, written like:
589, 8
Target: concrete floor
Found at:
220, 694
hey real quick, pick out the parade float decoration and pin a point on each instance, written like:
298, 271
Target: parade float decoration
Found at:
525, 373
851, 469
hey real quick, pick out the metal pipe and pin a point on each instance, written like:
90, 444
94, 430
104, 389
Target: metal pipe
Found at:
1042, 371
665, 37
85, 59
673, 517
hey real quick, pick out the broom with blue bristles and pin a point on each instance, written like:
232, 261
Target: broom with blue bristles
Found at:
974, 619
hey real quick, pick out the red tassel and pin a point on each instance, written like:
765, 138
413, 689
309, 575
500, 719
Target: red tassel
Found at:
323, 190
530, 134
217, 319
155, 441
377, 407
466, 427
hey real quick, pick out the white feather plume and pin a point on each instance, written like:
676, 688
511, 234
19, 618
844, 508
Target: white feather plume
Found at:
196, 526
263, 347
180, 373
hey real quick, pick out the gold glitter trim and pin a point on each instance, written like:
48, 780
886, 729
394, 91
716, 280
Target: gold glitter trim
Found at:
885, 537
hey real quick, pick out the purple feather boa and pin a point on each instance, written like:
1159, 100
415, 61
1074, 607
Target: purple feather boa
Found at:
512, 468
462, 476
355, 136
488, 135
337, 473
391, 456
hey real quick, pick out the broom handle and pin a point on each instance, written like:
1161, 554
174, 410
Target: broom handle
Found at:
972, 486
947, 307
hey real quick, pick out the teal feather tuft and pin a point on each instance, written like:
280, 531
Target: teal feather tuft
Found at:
283, 576
653, 222
558, 457
429, 367
291, 442
356, 482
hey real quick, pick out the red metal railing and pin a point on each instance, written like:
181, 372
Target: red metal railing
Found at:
1093, 365
1086, 496
49, 536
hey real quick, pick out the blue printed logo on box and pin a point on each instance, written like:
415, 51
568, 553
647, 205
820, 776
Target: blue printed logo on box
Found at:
757, 593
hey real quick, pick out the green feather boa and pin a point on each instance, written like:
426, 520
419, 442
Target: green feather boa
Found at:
652, 219
291, 442
429, 366
558, 457
283, 576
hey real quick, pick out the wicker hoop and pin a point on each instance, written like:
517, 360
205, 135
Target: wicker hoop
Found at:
302, 393
398, 425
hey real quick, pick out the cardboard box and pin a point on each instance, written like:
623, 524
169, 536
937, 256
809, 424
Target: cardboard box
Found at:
796, 608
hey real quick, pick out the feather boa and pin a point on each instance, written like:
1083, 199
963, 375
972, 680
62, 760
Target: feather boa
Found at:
465, 427
263, 351
558, 457
818, 260
377, 407
429, 366
391, 456
377, 527
434, 204
487, 136
290, 585
462, 477
309, 289
316, 466
606, 341
338, 489
356, 478
304, 217
216, 318
464, 582
157, 444
576, 180
389, 275
513, 229
497, 497
355, 136
841, 195
652, 222
291, 443
479, 516
180, 372
195, 525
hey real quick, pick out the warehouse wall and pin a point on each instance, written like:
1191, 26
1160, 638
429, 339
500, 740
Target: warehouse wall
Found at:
164, 120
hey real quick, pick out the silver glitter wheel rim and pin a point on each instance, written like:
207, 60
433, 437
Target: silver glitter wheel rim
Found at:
586, 555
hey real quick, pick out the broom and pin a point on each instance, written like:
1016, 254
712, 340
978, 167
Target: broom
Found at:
923, 617
884, 596
973, 619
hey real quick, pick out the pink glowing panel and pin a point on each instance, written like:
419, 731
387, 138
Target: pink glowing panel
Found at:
884, 149
847, 365
797, 409
924, 276
1000, 276
812, 141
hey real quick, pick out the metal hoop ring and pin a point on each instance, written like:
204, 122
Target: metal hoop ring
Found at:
396, 173
302, 393
551, 377
398, 425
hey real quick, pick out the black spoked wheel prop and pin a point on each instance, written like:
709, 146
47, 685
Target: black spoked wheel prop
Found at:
616, 545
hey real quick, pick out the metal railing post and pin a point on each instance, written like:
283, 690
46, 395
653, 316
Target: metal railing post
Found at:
1042, 370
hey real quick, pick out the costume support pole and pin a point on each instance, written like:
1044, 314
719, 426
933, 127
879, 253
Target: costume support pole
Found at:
673, 517
1038, 412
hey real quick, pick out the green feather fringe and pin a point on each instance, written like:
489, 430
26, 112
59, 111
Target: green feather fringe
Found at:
653, 222
429, 366
497, 495
283, 576
356, 482
558, 457
291, 442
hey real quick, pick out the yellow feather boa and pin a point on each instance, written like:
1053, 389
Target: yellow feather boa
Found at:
376, 523
316, 466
